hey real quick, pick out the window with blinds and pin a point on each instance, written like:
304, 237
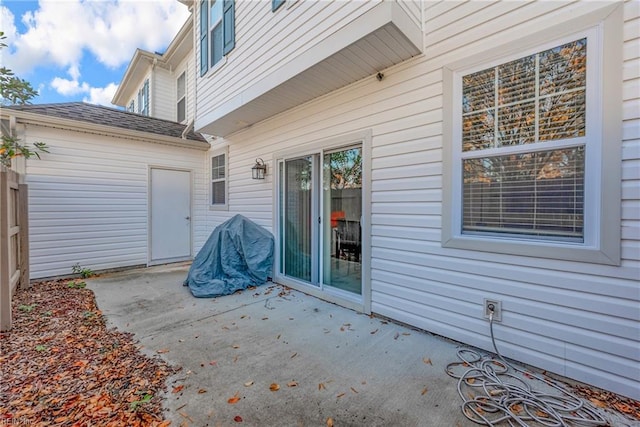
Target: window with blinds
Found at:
218, 180
523, 146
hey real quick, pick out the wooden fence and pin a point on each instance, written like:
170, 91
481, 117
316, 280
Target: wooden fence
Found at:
14, 240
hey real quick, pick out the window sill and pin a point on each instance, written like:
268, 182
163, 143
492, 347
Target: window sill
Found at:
535, 248
224, 207
214, 69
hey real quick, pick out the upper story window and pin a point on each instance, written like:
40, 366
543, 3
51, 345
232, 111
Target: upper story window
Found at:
143, 99
132, 107
181, 96
217, 31
532, 155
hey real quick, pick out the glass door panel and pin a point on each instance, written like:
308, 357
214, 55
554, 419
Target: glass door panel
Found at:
342, 212
296, 214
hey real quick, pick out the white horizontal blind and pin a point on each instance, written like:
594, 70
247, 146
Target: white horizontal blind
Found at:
520, 187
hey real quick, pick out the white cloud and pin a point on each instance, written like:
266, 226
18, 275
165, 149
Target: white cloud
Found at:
102, 95
8, 27
60, 32
69, 87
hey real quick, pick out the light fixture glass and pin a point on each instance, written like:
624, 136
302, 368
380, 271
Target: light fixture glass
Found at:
259, 170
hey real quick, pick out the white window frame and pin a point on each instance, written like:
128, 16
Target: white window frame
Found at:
181, 97
219, 206
143, 99
212, 25
603, 142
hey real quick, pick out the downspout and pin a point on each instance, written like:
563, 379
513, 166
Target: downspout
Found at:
187, 129
152, 95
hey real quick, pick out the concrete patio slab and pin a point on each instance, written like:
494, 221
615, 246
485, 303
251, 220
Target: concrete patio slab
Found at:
328, 362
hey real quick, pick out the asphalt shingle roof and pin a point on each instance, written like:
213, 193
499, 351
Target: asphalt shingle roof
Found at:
107, 116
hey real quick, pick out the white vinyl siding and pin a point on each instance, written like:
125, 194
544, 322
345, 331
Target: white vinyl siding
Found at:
88, 199
573, 318
163, 94
266, 43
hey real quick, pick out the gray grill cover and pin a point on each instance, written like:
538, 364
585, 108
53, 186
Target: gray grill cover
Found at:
238, 254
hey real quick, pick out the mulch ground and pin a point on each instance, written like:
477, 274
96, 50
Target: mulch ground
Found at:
61, 366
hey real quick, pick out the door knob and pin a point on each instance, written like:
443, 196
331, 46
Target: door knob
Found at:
187, 217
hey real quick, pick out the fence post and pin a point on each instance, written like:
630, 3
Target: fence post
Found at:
23, 222
5, 274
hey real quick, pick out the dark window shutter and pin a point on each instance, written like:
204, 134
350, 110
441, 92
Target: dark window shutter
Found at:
146, 97
204, 30
275, 4
229, 24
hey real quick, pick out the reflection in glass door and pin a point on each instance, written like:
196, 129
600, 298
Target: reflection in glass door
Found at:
342, 209
320, 219
296, 216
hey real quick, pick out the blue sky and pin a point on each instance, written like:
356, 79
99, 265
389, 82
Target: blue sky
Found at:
78, 50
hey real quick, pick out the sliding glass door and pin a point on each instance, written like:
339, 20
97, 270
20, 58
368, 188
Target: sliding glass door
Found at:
320, 212
342, 206
297, 244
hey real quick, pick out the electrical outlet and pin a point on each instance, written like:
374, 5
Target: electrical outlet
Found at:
495, 306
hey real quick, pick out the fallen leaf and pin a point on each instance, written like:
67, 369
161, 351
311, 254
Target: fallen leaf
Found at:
395, 337
164, 350
354, 390
598, 403
373, 332
427, 361
294, 355
177, 389
406, 333
541, 414
340, 395
213, 363
235, 346
292, 384
274, 387
234, 399
329, 422
202, 391
248, 384
237, 419
321, 386
424, 391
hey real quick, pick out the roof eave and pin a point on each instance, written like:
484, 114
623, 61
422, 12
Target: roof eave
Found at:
24, 117
141, 59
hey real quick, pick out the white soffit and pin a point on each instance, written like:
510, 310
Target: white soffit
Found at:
381, 37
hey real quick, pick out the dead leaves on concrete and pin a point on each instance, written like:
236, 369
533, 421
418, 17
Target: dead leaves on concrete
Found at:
607, 399
61, 366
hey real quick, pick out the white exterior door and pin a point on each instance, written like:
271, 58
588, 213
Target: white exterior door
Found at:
170, 215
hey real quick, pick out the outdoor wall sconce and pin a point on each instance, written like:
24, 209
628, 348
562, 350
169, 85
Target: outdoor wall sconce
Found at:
259, 170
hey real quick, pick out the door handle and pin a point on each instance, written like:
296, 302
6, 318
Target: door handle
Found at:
187, 217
